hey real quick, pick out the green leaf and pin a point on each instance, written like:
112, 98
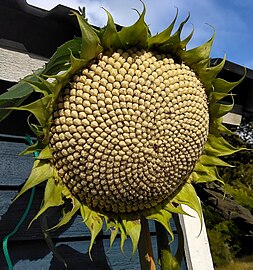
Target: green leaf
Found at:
208, 74
173, 44
223, 86
41, 108
93, 221
16, 95
112, 225
224, 130
39, 87
133, 229
123, 236
218, 110
5, 105
204, 177
60, 59
218, 146
76, 63
172, 209
198, 54
18, 91
90, 47
216, 127
52, 197
184, 42
36, 129
31, 149
43, 86
213, 161
201, 64
135, 35
21, 90
187, 195
168, 261
162, 216
216, 96
210, 171
45, 153
110, 38
67, 215
163, 36
194, 177
41, 171
63, 78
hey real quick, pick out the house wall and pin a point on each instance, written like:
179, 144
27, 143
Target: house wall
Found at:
27, 247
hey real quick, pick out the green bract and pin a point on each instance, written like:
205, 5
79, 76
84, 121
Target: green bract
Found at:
53, 79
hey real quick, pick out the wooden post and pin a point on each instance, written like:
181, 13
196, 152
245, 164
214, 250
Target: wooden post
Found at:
145, 247
196, 245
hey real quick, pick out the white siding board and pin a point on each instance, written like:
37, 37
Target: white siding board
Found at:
16, 65
196, 245
232, 119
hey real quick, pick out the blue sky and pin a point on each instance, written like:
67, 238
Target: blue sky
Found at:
232, 20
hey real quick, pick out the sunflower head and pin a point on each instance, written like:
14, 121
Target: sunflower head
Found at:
126, 123
128, 130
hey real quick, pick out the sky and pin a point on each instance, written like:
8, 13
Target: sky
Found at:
231, 19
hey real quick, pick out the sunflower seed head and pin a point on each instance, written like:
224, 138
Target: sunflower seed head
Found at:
129, 130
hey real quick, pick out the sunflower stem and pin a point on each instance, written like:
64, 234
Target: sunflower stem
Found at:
165, 257
145, 247
162, 244
180, 248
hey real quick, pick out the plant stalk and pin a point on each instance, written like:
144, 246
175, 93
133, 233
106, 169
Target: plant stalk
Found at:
145, 247
166, 260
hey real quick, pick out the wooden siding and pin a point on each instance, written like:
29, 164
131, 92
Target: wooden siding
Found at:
28, 249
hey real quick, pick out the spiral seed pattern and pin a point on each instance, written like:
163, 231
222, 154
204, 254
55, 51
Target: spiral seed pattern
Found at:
129, 130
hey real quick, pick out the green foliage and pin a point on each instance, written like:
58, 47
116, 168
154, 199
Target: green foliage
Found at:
239, 179
228, 238
245, 263
242, 194
220, 250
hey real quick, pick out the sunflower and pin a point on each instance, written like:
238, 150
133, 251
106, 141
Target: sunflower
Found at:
126, 123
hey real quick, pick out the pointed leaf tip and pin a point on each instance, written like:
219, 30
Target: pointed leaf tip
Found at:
123, 236
41, 109
93, 221
208, 74
90, 47
133, 229
66, 216
224, 87
135, 35
52, 197
112, 225
41, 171
187, 39
218, 146
198, 56
163, 36
162, 216
187, 195
109, 37
174, 45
